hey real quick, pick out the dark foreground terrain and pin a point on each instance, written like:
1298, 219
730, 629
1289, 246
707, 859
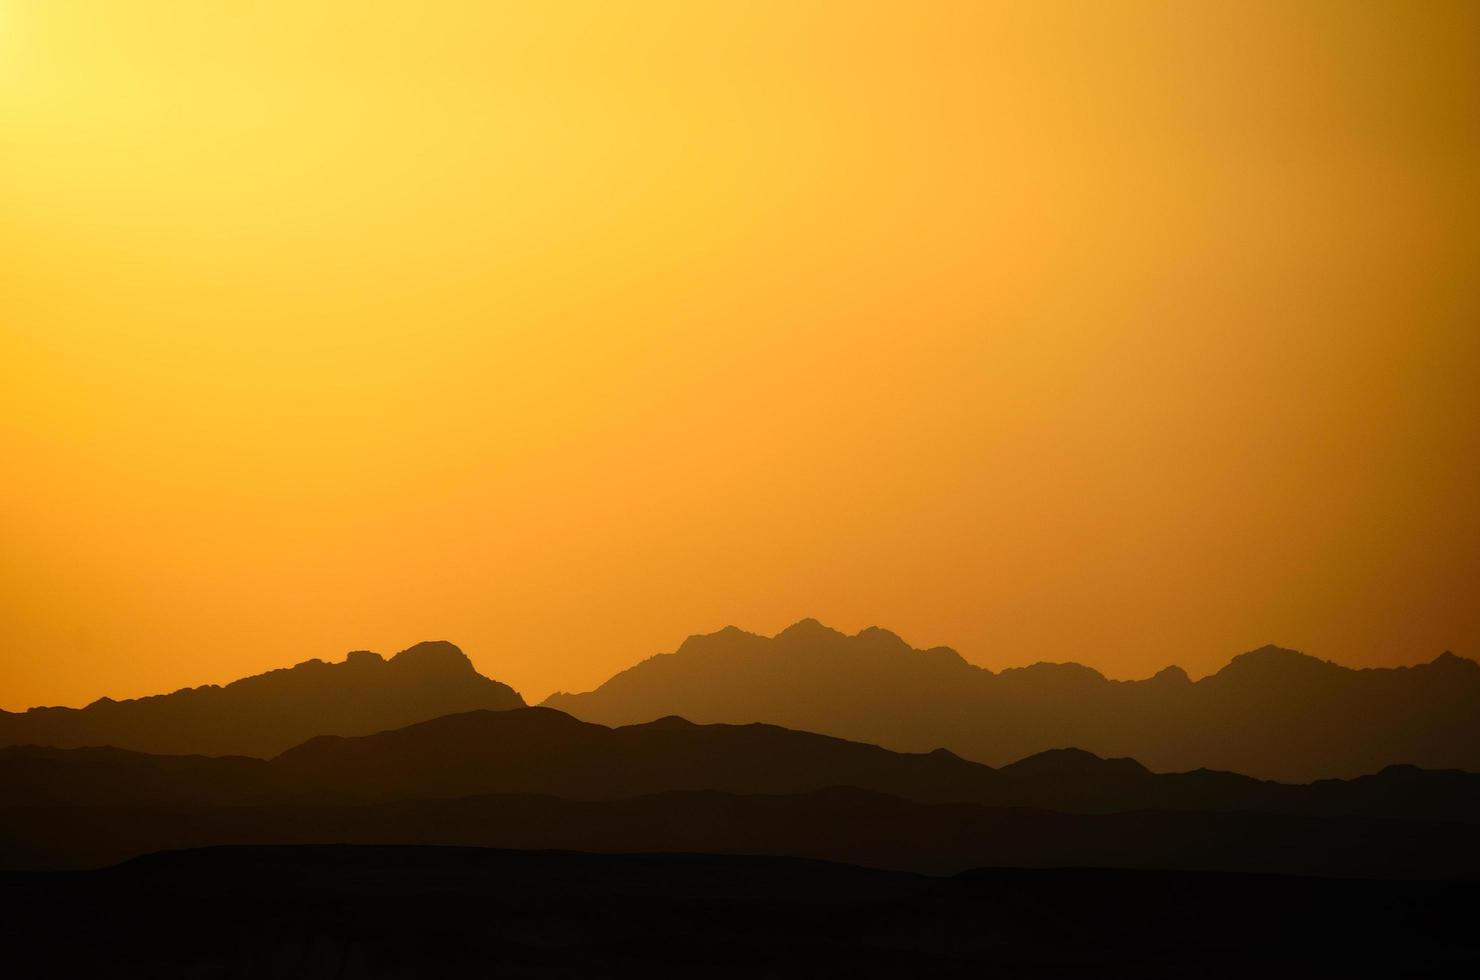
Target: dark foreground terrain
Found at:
341, 911
849, 826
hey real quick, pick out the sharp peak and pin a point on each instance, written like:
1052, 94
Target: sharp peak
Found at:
1449, 657
706, 641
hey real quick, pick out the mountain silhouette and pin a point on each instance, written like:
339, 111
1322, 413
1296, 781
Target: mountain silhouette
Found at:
538, 778
267, 713
846, 825
1271, 713
543, 751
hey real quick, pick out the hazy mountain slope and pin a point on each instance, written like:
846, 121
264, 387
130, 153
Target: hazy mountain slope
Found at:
1271, 713
267, 713
541, 751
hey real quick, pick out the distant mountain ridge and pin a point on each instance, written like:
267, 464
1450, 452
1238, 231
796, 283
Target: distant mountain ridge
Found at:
1272, 713
537, 778
543, 751
264, 714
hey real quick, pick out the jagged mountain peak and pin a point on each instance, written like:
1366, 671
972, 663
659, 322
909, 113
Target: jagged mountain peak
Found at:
1171, 675
266, 713
1272, 712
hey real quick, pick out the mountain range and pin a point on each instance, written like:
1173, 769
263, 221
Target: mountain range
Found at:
536, 778
267, 713
1271, 713
543, 751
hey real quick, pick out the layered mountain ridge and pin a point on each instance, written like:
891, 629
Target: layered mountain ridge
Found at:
536, 778
546, 752
267, 713
1272, 712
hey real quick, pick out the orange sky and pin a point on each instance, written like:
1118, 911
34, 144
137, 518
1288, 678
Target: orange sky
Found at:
1128, 333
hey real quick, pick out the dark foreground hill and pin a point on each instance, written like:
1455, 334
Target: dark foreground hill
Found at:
846, 825
267, 713
542, 751
1272, 713
440, 912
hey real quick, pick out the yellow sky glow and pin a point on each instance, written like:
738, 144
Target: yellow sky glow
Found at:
1130, 333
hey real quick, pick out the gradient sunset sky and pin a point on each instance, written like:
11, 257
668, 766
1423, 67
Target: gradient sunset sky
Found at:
1126, 333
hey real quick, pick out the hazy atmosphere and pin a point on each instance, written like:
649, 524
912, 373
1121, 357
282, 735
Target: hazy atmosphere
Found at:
1127, 340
